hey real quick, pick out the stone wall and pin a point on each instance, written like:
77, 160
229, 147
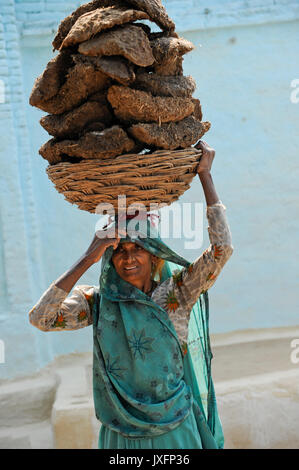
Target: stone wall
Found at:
41, 16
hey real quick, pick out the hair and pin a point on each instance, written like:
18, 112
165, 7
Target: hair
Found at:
157, 269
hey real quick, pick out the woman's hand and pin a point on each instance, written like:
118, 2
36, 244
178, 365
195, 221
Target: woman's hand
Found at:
204, 172
206, 160
92, 255
101, 241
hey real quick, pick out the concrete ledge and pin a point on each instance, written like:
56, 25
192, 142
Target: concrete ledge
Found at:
73, 426
260, 412
25, 411
73, 418
32, 436
27, 401
253, 335
252, 352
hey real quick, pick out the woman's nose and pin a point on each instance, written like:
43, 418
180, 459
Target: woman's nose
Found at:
129, 256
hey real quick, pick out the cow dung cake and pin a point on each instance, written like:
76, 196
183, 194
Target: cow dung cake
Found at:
118, 103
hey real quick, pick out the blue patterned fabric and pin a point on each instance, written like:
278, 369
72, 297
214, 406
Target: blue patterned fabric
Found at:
144, 385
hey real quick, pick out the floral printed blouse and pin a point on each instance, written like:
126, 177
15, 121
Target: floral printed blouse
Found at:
58, 310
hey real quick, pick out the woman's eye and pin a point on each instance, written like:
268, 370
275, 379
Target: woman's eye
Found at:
122, 251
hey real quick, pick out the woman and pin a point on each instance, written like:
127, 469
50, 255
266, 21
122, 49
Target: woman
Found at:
152, 381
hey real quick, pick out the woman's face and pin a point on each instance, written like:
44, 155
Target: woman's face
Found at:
134, 264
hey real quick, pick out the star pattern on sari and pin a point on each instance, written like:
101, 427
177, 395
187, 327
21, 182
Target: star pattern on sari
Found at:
113, 366
140, 343
164, 331
180, 412
150, 317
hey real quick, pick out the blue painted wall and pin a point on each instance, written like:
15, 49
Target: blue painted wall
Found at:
243, 68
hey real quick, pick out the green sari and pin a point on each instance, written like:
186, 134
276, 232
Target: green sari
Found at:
148, 391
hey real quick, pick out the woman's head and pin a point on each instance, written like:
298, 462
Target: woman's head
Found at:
136, 265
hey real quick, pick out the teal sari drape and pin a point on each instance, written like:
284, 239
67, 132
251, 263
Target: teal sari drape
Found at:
144, 384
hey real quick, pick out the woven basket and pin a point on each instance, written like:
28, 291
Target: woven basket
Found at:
160, 177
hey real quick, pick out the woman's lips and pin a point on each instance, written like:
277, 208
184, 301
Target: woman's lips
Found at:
130, 269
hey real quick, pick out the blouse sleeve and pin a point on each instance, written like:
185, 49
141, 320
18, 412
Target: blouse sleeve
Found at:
181, 291
56, 310
203, 272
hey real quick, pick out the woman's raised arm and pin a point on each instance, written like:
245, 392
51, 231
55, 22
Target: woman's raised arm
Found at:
58, 311
206, 268
101, 241
204, 172
180, 292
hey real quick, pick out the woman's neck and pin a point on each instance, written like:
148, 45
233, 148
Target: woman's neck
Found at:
152, 287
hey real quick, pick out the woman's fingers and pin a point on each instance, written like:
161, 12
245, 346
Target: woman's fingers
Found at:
204, 146
102, 240
208, 154
110, 237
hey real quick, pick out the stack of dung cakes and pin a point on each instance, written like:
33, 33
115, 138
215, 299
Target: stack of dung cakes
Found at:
121, 113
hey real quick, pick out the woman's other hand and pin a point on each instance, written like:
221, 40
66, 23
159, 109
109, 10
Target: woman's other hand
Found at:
101, 241
206, 160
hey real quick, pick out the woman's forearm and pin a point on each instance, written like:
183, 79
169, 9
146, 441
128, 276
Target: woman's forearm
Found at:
208, 187
101, 241
69, 279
